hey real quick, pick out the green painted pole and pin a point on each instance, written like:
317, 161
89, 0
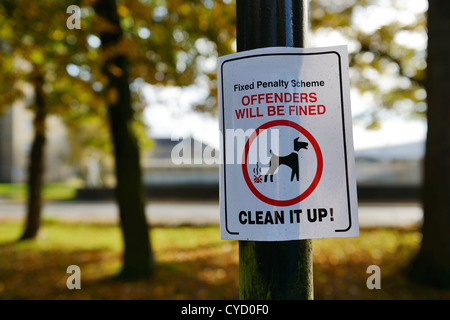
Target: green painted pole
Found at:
273, 270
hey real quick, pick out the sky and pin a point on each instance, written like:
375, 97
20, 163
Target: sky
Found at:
169, 113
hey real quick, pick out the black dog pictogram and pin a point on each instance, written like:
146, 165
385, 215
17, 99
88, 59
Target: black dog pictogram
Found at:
291, 160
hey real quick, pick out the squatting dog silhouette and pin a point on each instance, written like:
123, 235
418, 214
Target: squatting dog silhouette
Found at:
291, 160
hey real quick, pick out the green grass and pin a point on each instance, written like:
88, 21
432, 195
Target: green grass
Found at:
51, 190
193, 263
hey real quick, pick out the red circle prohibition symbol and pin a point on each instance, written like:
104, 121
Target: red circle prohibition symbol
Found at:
317, 150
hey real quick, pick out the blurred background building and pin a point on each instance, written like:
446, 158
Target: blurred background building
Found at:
16, 136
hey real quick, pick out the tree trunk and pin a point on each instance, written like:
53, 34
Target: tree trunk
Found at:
432, 264
36, 165
138, 258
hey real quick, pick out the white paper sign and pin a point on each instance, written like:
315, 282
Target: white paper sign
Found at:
287, 160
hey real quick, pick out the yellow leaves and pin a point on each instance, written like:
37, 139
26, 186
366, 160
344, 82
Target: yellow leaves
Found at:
128, 47
37, 56
122, 11
212, 275
124, 46
58, 35
340, 264
112, 95
115, 70
203, 24
184, 9
104, 26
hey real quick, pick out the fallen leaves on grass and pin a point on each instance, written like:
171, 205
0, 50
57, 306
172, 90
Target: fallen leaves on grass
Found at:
193, 263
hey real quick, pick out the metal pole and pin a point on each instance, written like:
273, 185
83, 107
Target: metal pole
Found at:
273, 270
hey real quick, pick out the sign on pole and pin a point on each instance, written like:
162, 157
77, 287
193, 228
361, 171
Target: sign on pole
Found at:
287, 169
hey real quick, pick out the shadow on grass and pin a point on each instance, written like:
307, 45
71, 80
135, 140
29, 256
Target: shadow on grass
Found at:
342, 273
36, 274
210, 271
